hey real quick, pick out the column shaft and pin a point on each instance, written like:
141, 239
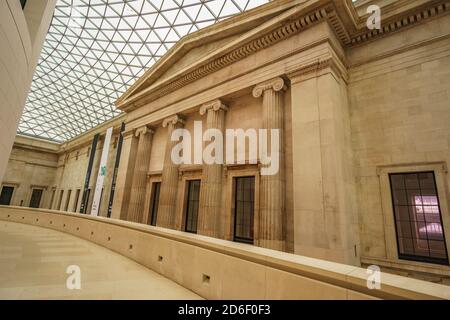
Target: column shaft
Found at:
272, 201
138, 187
211, 188
169, 181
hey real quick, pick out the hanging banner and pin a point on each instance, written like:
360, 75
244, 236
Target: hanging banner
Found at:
101, 174
116, 168
86, 191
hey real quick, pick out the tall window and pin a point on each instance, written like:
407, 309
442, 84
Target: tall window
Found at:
69, 193
6, 195
192, 206
418, 221
52, 199
154, 203
36, 196
75, 203
86, 201
61, 194
23, 3
244, 206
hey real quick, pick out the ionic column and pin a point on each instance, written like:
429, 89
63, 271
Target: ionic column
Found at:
169, 180
138, 185
211, 188
271, 206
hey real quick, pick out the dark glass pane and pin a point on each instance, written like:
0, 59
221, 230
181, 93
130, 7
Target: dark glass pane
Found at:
411, 182
413, 196
404, 229
75, 203
244, 209
61, 194
6, 195
399, 197
192, 205
437, 248
402, 213
36, 197
155, 202
408, 247
68, 200
52, 199
23, 3
419, 229
397, 182
426, 181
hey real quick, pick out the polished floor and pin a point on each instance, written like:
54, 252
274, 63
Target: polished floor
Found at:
34, 262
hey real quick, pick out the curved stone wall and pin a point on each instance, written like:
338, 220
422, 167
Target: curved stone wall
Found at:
22, 33
219, 269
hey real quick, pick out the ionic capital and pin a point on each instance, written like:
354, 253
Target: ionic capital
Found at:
276, 84
214, 105
173, 120
144, 130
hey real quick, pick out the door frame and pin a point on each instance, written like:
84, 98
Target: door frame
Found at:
43, 197
12, 185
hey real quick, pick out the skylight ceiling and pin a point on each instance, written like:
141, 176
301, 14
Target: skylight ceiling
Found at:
95, 49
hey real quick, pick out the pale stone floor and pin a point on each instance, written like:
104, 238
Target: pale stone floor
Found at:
34, 260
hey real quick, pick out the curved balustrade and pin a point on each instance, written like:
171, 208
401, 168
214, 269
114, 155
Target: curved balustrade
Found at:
219, 269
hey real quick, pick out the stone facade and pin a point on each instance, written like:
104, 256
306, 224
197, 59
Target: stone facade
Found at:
60, 169
352, 106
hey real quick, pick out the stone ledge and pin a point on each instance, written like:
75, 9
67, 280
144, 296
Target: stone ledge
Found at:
332, 280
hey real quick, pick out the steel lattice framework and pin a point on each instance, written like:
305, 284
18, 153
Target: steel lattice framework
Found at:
95, 49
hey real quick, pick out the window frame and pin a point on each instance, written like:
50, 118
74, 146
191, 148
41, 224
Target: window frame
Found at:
186, 204
154, 204
68, 196
238, 238
10, 185
60, 199
388, 214
52, 198
416, 257
186, 173
41, 200
230, 173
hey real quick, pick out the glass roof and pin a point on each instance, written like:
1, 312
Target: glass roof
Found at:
95, 49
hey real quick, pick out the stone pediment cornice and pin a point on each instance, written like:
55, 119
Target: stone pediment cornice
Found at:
294, 17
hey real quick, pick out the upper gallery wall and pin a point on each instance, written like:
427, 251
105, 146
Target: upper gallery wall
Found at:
23, 26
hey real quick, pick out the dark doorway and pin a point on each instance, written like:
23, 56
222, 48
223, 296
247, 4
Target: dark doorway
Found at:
52, 199
69, 193
6, 195
154, 203
192, 206
244, 206
36, 197
77, 197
